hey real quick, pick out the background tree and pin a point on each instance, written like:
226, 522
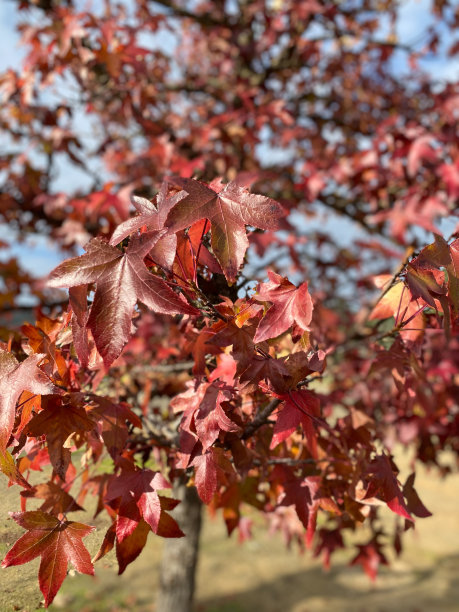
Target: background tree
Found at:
287, 395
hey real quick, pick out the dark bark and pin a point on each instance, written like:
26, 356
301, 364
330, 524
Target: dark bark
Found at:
180, 556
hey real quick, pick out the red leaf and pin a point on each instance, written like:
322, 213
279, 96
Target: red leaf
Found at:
130, 547
58, 421
414, 504
370, 557
206, 472
15, 378
134, 494
300, 407
153, 216
57, 542
384, 484
121, 279
290, 305
203, 414
422, 284
56, 500
228, 211
112, 418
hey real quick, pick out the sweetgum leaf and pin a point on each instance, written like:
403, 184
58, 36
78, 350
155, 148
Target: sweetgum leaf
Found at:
134, 494
57, 421
290, 305
112, 420
370, 556
414, 504
57, 542
228, 211
10, 469
384, 484
130, 548
203, 413
121, 279
299, 407
15, 378
56, 500
153, 215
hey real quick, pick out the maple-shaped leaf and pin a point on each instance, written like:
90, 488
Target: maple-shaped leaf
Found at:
241, 339
394, 302
10, 469
112, 419
414, 504
203, 412
199, 346
370, 557
329, 541
229, 210
133, 493
272, 370
57, 542
211, 469
150, 214
304, 494
15, 378
129, 548
121, 279
423, 284
384, 484
153, 215
291, 305
58, 421
206, 475
56, 500
299, 407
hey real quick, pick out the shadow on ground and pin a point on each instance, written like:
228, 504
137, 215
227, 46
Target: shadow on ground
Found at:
343, 590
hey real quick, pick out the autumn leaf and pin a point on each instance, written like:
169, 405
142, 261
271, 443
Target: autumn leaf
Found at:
56, 500
150, 214
203, 412
228, 211
299, 408
57, 542
153, 215
10, 469
414, 503
394, 302
112, 419
133, 493
290, 305
57, 422
121, 280
384, 484
206, 475
211, 469
199, 346
370, 556
15, 378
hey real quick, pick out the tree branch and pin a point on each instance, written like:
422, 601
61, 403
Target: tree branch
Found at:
260, 419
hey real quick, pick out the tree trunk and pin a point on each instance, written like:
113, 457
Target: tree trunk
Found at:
180, 556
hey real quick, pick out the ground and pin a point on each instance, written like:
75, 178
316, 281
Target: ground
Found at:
261, 575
